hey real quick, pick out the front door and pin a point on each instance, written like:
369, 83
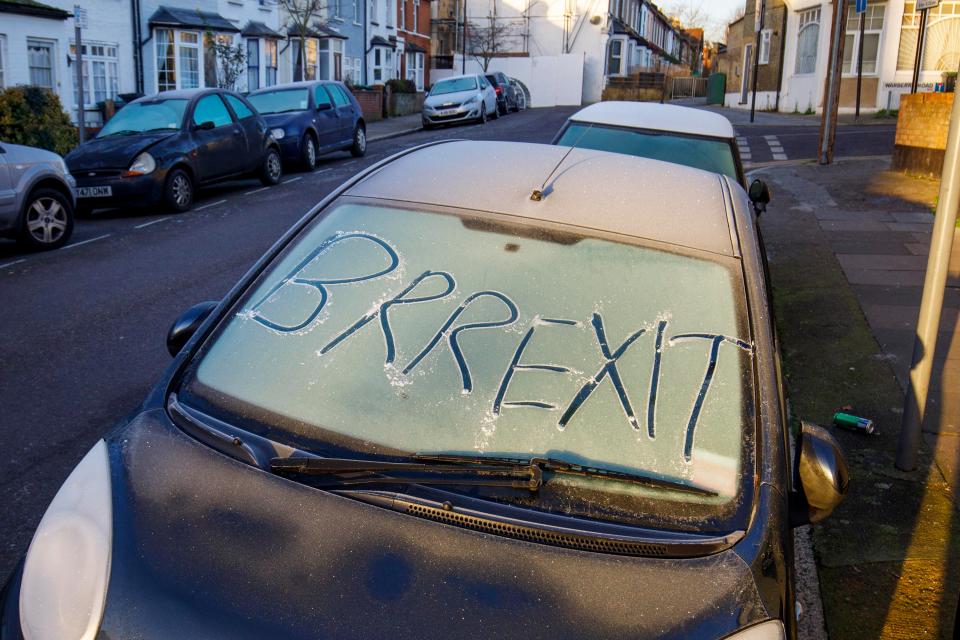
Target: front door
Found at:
221, 150
745, 74
345, 110
327, 118
7, 194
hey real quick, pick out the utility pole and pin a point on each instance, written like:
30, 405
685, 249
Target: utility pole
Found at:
79, 21
862, 10
831, 90
931, 303
918, 59
760, 8
463, 44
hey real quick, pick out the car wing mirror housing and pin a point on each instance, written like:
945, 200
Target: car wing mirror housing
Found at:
759, 195
187, 324
326, 106
206, 125
821, 476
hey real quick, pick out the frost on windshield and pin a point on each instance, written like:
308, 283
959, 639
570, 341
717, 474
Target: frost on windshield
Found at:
413, 331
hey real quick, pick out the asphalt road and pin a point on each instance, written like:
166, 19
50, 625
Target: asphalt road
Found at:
83, 327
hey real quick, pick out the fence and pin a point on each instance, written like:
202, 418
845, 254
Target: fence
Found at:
639, 87
689, 88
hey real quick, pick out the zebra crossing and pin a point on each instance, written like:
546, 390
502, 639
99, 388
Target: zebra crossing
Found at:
769, 149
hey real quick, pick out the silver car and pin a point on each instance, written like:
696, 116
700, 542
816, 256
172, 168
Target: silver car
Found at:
37, 197
468, 98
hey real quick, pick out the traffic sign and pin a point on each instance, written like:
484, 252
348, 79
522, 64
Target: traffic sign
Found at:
80, 16
861, 6
926, 4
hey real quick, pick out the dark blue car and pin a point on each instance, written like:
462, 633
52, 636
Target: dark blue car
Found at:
312, 118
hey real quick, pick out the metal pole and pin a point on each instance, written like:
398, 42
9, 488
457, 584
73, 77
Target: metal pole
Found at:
80, 115
863, 21
831, 103
756, 60
463, 61
917, 60
931, 304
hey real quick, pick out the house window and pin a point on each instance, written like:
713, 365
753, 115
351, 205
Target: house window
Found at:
40, 59
270, 61
615, 58
873, 25
356, 11
416, 16
166, 60
765, 36
387, 6
103, 83
3, 60
188, 59
253, 64
941, 44
403, 14
415, 69
808, 38
377, 64
331, 59
305, 66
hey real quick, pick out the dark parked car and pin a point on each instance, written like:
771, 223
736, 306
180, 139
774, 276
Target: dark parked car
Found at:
506, 92
382, 432
310, 118
162, 147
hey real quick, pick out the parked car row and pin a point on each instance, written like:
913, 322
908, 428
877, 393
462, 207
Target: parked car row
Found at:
474, 97
160, 149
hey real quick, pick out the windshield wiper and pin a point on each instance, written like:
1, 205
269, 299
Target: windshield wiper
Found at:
122, 132
564, 467
345, 471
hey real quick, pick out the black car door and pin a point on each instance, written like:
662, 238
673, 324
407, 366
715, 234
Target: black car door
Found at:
345, 110
327, 119
253, 130
219, 141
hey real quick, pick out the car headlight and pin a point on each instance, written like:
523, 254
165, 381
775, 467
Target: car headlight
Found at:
474, 100
64, 585
769, 630
278, 133
142, 165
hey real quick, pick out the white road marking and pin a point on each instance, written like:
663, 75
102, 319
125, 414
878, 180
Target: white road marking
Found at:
212, 204
779, 156
250, 193
77, 244
147, 224
288, 181
10, 264
776, 149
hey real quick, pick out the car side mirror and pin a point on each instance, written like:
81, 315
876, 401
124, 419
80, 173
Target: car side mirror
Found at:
759, 195
187, 324
206, 125
326, 106
821, 476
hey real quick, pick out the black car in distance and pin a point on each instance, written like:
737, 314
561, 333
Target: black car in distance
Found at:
506, 93
160, 148
312, 118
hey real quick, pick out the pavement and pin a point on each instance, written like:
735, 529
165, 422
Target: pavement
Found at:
393, 127
847, 245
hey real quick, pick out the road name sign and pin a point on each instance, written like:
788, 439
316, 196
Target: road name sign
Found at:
926, 4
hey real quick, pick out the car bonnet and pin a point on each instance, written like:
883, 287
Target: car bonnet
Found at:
113, 152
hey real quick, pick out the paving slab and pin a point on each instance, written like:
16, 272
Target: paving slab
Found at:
912, 216
858, 225
890, 277
842, 214
882, 262
885, 247
915, 227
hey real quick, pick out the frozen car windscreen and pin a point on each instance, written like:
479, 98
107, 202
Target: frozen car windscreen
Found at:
701, 153
453, 86
280, 101
149, 115
406, 330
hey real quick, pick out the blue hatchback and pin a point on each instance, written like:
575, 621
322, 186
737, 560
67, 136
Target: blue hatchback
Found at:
312, 118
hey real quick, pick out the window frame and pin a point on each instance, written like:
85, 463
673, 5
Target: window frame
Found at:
111, 70
619, 57
807, 19
223, 103
51, 46
271, 63
853, 29
766, 41
3, 60
253, 63
179, 46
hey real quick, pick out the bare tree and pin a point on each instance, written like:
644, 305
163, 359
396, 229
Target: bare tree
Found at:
303, 17
487, 41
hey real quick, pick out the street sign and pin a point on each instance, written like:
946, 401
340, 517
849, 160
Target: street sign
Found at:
79, 16
861, 6
926, 4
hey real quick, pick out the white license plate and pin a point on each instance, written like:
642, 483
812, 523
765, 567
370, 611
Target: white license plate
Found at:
448, 112
94, 192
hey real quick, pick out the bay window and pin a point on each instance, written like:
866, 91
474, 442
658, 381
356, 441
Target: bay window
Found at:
100, 79
415, 69
305, 61
270, 61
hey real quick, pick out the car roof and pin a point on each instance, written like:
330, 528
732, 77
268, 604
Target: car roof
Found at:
659, 117
300, 84
465, 75
610, 192
183, 94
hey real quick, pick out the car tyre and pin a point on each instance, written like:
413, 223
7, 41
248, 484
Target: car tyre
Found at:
496, 112
516, 106
271, 170
359, 146
178, 191
47, 220
308, 152
482, 118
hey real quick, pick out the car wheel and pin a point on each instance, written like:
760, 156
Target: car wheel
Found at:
308, 153
271, 169
516, 106
496, 111
178, 191
359, 146
47, 220
482, 119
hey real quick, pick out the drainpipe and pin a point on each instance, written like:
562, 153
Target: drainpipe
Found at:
138, 45
783, 48
366, 79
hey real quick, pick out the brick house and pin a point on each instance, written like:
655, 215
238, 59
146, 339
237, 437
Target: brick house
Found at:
740, 56
413, 41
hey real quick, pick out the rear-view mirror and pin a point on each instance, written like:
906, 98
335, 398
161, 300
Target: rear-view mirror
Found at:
187, 324
821, 476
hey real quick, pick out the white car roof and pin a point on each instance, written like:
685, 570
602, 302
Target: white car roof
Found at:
659, 117
598, 190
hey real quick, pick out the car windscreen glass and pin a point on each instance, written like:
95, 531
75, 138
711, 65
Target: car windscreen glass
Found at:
395, 331
149, 115
280, 101
702, 153
453, 86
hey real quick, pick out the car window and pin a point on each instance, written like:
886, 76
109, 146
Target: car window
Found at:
146, 115
453, 85
339, 96
483, 83
492, 79
320, 95
280, 101
239, 108
210, 108
702, 153
389, 329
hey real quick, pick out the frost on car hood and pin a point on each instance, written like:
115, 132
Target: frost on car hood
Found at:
427, 332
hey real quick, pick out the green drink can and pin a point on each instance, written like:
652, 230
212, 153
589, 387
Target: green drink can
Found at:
854, 423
